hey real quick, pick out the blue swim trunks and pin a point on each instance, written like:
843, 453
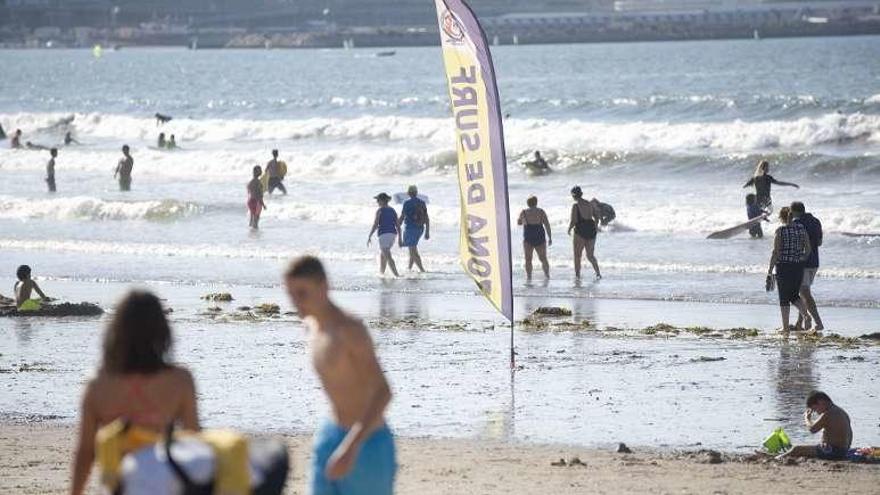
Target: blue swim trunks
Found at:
412, 234
829, 453
372, 474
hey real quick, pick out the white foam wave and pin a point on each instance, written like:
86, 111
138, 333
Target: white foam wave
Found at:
243, 252
563, 135
89, 208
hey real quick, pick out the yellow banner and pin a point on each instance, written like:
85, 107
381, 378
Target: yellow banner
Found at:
482, 164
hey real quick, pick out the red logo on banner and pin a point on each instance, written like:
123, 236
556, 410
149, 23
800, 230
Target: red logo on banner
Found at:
451, 27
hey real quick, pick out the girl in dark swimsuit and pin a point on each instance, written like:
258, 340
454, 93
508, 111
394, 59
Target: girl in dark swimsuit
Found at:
535, 225
763, 181
584, 219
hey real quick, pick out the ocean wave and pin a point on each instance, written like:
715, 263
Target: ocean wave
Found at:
561, 134
89, 208
214, 250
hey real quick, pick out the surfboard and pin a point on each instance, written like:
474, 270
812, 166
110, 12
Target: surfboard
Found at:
264, 179
401, 197
735, 230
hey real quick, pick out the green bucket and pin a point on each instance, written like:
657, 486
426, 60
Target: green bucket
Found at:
777, 442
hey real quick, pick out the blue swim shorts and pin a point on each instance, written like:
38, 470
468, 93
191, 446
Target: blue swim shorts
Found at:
373, 472
412, 234
829, 453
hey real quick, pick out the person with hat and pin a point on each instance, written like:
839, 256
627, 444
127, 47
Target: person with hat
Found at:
386, 225
414, 219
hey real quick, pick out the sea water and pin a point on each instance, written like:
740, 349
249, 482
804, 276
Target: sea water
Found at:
667, 133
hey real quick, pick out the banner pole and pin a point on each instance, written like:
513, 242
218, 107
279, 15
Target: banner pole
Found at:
512, 353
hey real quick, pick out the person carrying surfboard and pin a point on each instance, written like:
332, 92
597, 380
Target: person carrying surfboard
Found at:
275, 173
762, 180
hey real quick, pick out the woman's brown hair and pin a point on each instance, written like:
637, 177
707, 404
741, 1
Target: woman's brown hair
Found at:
785, 215
138, 338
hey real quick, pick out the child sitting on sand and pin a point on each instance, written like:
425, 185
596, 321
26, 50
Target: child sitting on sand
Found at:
136, 381
834, 424
23, 289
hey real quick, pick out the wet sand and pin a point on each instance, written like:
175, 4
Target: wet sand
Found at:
34, 459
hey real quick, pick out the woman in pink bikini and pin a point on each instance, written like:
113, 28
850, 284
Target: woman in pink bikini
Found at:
135, 381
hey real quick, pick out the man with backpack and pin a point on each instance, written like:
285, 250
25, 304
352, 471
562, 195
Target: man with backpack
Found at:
414, 218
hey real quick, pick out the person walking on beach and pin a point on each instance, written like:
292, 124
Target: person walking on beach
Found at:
814, 231
354, 452
50, 170
415, 220
536, 235
124, 168
763, 181
135, 381
584, 222
255, 203
791, 247
834, 424
273, 169
15, 142
388, 232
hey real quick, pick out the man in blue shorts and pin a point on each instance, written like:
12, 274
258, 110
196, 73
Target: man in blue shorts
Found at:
414, 218
354, 453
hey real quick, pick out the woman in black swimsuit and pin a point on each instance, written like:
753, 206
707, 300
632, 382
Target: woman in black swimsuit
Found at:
763, 181
584, 219
535, 223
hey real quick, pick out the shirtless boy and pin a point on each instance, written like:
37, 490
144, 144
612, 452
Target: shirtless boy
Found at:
354, 453
124, 168
834, 424
26, 286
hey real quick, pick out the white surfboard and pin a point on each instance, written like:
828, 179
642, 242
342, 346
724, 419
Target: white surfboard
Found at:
735, 230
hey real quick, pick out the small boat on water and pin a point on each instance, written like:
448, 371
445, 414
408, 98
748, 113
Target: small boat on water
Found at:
389, 53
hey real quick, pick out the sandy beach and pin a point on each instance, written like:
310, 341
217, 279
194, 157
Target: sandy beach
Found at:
34, 459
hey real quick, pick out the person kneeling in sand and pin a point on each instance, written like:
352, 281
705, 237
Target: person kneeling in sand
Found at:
136, 381
24, 288
354, 453
834, 424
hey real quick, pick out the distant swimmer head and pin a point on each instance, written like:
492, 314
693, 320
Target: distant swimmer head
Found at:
23, 273
532, 201
537, 154
785, 215
125, 149
306, 283
576, 192
382, 198
161, 135
274, 153
18, 132
53, 152
798, 209
412, 190
258, 171
751, 199
138, 338
762, 168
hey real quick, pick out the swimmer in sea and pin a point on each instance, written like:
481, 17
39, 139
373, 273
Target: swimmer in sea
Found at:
15, 142
25, 287
172, 143
535, 226
50, 169
161, 143
68, 139
273, 169
763, 181
162, 119
585, 217
255, 202
2, 132
124, 168
386, 225
354, 451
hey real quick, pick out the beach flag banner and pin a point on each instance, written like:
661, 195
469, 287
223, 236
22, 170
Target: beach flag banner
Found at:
482, 164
